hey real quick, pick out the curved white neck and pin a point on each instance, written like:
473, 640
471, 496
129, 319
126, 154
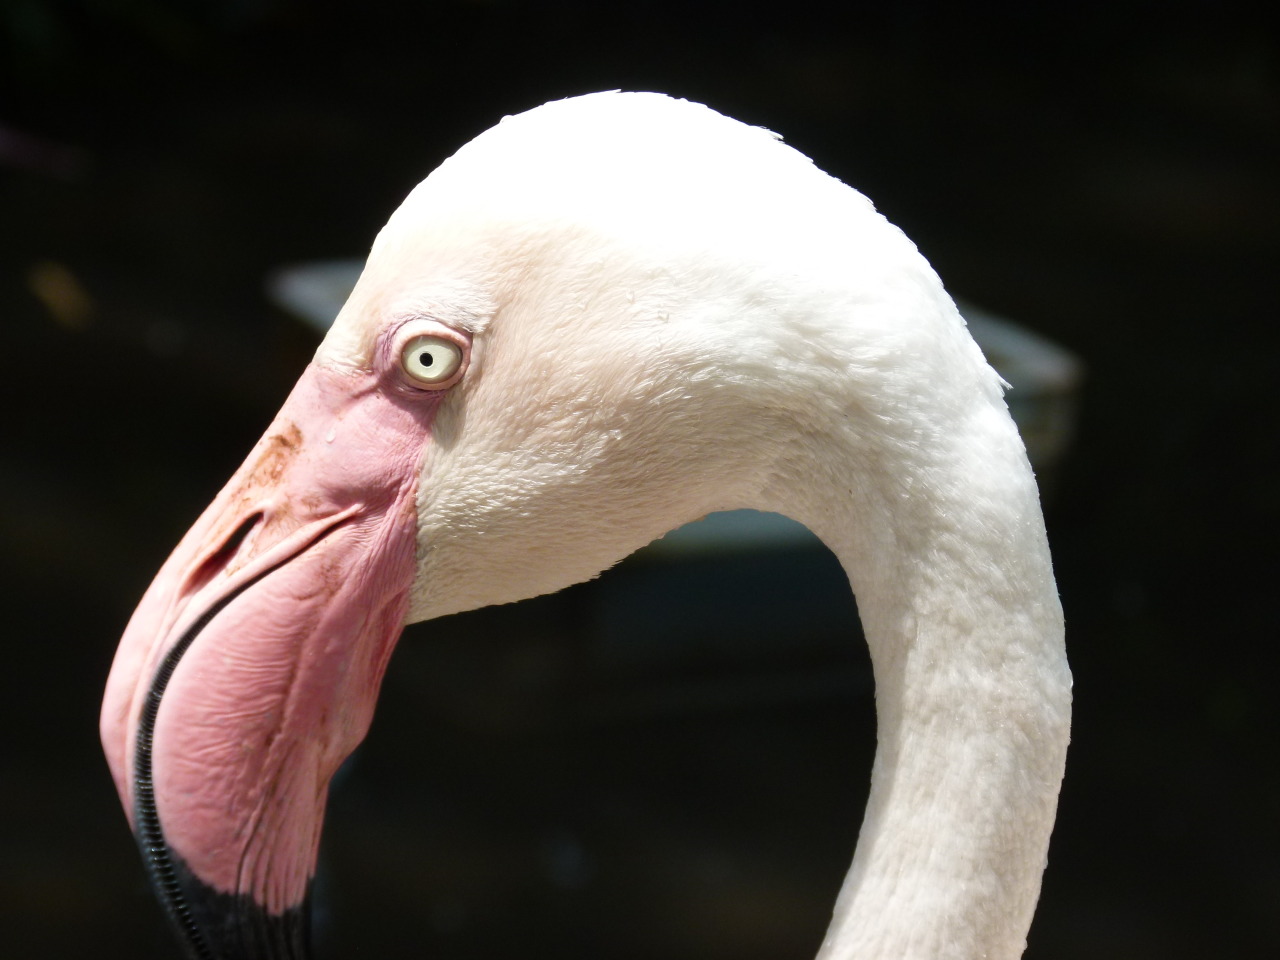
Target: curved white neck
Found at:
947, 556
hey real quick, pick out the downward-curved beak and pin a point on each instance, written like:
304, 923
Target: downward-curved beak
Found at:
250, 669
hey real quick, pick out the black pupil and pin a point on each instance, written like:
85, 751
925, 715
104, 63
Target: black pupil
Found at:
425, 358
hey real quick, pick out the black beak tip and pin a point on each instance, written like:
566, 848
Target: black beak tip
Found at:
222, 926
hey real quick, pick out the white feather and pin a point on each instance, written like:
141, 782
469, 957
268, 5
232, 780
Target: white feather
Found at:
676, 313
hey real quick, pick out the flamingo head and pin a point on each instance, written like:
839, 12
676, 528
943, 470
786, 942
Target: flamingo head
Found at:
597, 321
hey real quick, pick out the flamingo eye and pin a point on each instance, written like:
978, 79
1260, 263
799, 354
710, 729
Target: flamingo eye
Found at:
431, 361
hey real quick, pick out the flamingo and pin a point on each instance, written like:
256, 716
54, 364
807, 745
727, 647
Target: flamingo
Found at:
599, 320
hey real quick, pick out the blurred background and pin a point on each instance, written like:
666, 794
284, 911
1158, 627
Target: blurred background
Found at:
668, 762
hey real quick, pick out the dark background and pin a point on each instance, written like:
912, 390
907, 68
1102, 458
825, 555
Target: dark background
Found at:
563, 778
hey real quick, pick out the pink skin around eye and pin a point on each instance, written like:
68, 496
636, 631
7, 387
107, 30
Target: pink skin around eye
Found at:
279, 686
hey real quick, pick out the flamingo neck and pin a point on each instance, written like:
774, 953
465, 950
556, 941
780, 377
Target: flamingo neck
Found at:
947, 555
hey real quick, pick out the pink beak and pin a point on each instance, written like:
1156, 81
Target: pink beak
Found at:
250, 669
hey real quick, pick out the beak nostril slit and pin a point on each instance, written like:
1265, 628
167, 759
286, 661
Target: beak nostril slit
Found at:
217, 561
